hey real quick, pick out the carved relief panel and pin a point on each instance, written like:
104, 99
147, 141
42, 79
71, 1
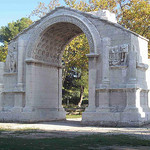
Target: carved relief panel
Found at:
11, 60
118, 55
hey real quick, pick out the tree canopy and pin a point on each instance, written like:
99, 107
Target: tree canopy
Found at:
8, 32
12, 29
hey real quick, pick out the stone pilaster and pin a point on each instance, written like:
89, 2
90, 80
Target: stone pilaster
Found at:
21, 51
132, 78
103, 98
19, 95
29, 97
134, 108
1, 84
102, 89
148, 99
92, 82
1, 97
133, 100
105, 61
144, 100
18, 103
133, 113
60, 108
132, 92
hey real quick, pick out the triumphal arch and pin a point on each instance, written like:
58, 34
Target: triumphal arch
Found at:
119, 78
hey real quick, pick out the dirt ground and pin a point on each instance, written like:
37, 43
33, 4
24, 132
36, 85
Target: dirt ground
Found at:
68, 128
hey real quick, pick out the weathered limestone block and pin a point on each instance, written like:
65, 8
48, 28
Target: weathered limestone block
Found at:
105, 14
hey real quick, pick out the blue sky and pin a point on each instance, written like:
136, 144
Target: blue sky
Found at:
11, 10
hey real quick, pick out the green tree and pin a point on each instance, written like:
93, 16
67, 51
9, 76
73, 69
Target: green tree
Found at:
42, 9
82, 85
75, 54
135, 16
3, 51
8, 32
75, 87
75, 60
12, 29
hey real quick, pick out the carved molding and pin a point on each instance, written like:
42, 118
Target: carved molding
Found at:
37, 62
142, 66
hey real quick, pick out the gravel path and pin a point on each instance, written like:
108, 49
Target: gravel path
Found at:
69, 128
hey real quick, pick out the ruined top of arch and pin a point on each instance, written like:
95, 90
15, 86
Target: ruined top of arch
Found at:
105, 15
102, 15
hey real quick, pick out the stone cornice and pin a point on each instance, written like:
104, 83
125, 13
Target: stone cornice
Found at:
10, 73
31, 61
142, 66
91, 55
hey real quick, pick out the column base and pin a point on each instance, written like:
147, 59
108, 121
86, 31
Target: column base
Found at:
20, 87
39, 115
90, 109
103, 109
17, 109
115, 119
131, 109
28, 109
1, 109
100, 118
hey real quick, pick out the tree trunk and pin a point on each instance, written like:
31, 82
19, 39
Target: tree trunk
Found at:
81, 95
65, 71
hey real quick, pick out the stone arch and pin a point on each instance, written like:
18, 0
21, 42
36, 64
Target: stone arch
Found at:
82, 23
44, 53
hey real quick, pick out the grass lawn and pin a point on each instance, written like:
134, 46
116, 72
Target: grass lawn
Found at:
73, 116
76, 143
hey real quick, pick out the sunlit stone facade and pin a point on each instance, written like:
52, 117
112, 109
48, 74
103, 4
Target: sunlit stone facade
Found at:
31, 77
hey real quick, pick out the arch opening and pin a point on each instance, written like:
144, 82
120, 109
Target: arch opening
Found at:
49, 50
75, 77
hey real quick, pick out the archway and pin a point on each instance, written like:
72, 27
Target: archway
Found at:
75, 77
44, 58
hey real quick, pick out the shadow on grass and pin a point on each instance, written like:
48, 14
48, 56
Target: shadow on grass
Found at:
76, 143
67, 122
